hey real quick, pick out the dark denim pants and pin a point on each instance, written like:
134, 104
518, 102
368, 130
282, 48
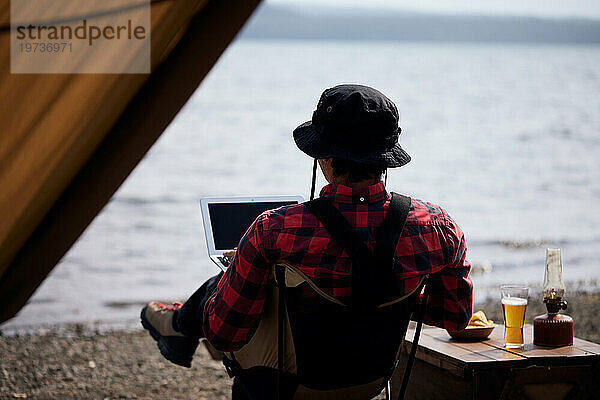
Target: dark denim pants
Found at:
189, 321
190, 316
261, 382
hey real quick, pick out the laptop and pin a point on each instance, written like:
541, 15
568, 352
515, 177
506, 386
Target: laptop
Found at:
226, 220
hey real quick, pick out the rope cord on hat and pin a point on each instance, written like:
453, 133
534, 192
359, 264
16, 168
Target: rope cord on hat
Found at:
314, 179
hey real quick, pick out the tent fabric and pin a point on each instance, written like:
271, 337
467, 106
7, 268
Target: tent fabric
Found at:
56, 125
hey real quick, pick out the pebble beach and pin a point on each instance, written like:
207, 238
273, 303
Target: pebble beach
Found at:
76, 364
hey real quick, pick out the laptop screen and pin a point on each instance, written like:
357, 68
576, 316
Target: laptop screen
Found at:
231, 220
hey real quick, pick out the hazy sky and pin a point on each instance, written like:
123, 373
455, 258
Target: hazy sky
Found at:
545, 8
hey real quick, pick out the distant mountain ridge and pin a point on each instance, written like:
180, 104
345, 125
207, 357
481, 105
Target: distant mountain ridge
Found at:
288, 22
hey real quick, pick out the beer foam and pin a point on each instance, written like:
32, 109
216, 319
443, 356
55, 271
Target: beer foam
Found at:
514, 301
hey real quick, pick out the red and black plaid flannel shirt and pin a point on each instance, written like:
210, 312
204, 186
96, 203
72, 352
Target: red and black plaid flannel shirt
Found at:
431, 243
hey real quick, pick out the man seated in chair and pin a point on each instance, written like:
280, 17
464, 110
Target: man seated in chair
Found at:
353, 136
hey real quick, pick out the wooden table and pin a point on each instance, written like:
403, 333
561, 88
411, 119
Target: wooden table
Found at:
449, 369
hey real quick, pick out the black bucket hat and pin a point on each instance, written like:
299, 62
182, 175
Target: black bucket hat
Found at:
356, 123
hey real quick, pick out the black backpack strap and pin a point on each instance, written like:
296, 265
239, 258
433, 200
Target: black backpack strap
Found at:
387, 241
344, 234
393, 225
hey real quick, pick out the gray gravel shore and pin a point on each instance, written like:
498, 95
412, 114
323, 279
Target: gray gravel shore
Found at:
113, 365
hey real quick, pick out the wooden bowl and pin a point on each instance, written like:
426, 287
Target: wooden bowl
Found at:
473, 333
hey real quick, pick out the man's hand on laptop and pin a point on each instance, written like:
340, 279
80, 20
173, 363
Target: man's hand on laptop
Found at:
227, 257
230, 253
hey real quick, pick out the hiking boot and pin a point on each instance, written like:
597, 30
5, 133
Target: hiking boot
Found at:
157, 318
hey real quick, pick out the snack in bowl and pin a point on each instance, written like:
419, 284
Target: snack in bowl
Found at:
479, 319
479, 328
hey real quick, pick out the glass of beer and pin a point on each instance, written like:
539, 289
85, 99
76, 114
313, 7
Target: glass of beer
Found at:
514, 304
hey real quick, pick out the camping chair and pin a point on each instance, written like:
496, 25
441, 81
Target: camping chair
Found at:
333, 352
316, 347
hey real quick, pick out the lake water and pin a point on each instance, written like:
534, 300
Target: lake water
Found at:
505, 137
